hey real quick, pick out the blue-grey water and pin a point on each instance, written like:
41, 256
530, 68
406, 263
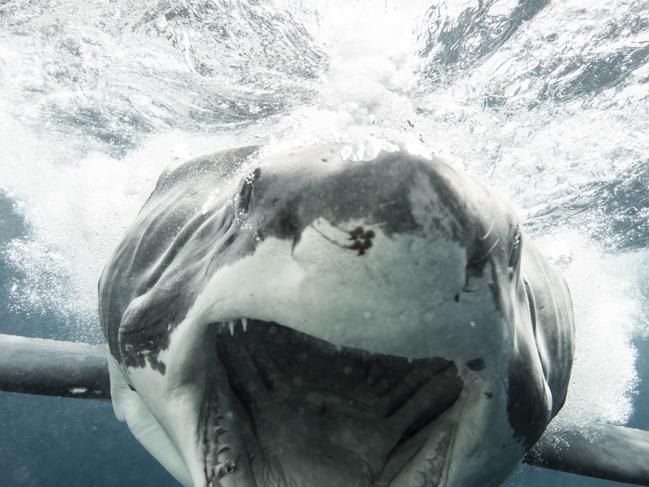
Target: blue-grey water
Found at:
546, 101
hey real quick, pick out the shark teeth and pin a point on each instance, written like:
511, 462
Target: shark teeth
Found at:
232, 327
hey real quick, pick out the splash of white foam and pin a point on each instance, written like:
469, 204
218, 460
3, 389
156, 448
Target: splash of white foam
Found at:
77, 212
364, 96
606, 312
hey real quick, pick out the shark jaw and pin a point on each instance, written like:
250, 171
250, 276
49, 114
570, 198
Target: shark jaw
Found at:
302, 411
326, 329
318, 392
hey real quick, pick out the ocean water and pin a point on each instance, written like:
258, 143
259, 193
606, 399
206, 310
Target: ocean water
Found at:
545, 101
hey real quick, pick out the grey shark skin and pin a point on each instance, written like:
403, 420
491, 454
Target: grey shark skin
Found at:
304, 320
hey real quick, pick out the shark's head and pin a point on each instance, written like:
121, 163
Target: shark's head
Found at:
303, 320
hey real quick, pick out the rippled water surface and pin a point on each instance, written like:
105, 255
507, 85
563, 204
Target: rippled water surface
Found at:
545, 101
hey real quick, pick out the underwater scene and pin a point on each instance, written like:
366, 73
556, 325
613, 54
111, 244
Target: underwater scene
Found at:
543, 102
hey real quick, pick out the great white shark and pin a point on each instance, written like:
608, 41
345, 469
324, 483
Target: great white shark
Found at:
302, 319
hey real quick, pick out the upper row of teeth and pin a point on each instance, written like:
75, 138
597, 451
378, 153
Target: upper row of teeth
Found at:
230, 324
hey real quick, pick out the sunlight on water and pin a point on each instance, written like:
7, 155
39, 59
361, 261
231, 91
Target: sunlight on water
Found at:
364, 95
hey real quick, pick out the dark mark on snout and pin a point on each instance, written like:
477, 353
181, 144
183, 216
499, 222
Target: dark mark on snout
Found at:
362, 239
476, 364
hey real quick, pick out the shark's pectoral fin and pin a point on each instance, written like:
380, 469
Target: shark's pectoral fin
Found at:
604, 451
53, 368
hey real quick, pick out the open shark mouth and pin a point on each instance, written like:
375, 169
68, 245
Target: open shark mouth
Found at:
288, 409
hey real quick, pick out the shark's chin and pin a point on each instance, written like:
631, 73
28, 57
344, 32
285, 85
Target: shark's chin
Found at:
304, 412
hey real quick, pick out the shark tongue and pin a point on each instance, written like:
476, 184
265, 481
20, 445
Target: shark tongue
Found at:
289, 409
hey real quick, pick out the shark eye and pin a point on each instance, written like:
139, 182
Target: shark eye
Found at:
515, 256
246, 193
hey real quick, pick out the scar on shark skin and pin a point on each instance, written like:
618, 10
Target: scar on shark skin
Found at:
361, 239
